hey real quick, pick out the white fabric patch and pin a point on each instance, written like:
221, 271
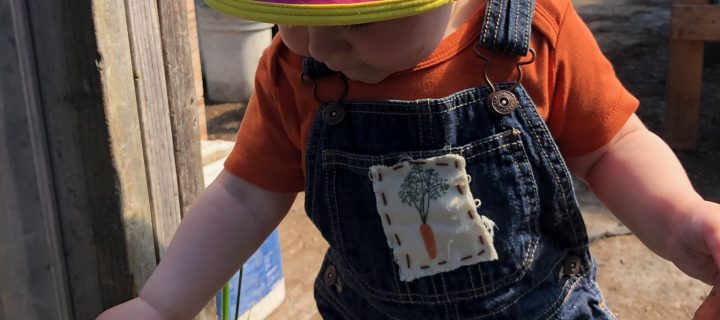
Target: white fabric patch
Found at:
430, 217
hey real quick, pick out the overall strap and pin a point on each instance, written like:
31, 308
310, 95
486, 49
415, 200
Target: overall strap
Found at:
315, 69
507, 26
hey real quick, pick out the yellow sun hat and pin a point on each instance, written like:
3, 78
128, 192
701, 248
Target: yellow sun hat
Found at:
324, 12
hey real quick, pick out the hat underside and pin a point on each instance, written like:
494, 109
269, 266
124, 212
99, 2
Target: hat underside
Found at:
324, 12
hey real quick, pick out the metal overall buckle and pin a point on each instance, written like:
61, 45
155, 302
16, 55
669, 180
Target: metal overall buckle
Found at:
503, 102
333, 111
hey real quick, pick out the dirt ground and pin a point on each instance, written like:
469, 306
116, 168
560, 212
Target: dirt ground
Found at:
637, 284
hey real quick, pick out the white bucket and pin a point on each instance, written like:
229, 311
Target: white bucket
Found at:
230, 49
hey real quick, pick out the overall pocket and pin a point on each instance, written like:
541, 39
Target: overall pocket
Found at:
500, 177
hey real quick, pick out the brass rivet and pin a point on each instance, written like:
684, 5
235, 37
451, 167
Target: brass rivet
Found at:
333, 114
330, 275
503, 102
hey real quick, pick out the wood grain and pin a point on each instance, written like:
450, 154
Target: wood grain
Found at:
153, 105
684, 86
197, 68
695, 22
32, 262
123, 121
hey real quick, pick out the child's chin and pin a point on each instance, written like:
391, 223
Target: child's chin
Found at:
366, 78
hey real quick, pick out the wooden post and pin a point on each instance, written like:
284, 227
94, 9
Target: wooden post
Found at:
125, 134
151, 90
32, 264
197, 68
693, 23
98, 106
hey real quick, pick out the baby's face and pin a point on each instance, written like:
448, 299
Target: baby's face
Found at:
371, 52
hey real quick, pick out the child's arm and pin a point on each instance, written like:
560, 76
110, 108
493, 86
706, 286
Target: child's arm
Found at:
642, 182
709, 308
223, 228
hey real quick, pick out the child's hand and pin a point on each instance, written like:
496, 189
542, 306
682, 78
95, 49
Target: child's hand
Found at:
710, 308
694, 246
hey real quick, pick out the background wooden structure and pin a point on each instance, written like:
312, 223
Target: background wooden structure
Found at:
693, 23
99, 150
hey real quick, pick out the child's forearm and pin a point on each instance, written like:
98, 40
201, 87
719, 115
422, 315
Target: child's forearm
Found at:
223, 228
642, 182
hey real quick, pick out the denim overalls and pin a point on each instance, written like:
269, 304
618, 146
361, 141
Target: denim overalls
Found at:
542, 268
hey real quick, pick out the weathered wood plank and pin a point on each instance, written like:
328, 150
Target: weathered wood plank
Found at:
683, 93
695, 22
151, 89
197, 68
179, 75
85, 178
684, 86
123, 120
32, 264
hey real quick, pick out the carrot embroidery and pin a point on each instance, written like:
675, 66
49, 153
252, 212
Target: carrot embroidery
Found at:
420, 187
429, 239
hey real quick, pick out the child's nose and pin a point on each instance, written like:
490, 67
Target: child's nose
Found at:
327, 44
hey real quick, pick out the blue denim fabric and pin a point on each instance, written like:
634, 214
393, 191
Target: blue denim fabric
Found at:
544, 270
517, 172
507, 26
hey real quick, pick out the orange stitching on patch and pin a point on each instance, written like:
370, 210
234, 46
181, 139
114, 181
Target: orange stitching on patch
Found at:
470, 215
481, 253
398, 240
465, 258
387, 217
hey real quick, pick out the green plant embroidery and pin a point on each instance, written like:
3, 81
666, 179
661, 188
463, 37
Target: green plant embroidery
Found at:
420, 187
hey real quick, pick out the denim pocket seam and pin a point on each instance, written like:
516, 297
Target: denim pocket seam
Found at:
562, 299
508, 134
545, 155
407, 114
564, 293
339, 307
504, 146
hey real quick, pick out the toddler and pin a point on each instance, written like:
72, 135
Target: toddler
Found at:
434, 141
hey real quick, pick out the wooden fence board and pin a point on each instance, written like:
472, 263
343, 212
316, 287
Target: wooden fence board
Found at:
151, 90
197, 68
179, 75
84, 176
684, 86
32, 264
102, 145
695, 22
123, 120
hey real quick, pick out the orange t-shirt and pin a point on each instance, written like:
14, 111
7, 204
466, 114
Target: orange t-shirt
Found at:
571, 82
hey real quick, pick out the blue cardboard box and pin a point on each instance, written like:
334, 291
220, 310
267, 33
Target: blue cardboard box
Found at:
262, 287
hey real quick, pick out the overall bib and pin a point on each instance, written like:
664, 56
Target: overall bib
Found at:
453, 208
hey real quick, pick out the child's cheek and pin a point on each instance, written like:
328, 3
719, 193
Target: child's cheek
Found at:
295, 38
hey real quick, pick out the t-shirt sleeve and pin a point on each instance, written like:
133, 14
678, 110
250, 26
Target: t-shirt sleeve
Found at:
589, 104
265, 153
